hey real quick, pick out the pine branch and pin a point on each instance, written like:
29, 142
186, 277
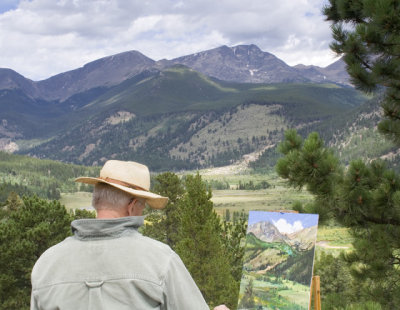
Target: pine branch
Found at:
381, 221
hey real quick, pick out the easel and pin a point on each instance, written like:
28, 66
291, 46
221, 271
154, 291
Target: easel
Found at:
316, 291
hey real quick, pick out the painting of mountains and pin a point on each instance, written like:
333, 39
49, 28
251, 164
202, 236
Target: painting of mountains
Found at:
278, 261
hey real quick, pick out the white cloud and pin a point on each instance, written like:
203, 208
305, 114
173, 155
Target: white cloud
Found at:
287, 228
45, 37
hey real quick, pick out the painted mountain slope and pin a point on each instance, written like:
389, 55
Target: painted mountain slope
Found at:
301, 240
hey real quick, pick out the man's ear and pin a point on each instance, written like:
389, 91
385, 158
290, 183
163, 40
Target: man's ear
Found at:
131, 207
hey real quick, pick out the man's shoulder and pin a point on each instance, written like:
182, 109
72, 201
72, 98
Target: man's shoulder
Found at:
57, 248
157, 245
51, 255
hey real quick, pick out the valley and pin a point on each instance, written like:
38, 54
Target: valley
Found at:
221, 112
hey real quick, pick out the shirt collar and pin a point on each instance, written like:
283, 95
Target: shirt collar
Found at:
105, 228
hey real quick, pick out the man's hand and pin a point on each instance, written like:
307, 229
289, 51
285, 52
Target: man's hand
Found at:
221, 307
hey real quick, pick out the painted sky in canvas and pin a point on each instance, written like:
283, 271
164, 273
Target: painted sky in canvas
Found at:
40, 38
285, 222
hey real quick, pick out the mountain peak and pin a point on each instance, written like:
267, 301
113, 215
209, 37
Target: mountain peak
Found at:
104, 72
266, 231
246, 48
10, 79
127, 58
241, 63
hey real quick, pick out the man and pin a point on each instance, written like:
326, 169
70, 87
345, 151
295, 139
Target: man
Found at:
107, 263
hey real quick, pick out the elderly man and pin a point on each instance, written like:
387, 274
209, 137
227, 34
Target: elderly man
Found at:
107, 263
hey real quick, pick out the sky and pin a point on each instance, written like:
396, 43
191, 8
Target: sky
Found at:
285, 222
41, 38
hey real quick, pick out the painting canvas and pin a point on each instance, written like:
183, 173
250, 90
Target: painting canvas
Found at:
278, 261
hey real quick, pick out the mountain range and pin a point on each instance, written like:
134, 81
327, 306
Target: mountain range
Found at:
243, 64
300, 240
200, 110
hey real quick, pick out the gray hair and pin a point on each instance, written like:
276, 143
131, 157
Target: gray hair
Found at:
108, 197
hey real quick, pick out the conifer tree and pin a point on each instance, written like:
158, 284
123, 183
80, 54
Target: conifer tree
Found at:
27, 229
163, 224
367, 34
211, 248
366, 198
200, 245
233, 234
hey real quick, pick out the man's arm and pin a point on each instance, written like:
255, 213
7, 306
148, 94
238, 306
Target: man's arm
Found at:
34, 305
180, 290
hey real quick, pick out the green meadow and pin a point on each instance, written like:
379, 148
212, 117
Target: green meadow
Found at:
76, 200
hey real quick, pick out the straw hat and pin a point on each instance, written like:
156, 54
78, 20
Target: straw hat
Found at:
130, 177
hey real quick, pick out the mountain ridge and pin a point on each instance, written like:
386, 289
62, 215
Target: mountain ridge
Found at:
241, 63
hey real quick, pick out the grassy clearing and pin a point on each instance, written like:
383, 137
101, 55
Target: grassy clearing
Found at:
336, 236
76, 200
276, 197
333, 240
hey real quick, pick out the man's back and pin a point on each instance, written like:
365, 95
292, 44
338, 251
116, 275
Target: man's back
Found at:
108, 264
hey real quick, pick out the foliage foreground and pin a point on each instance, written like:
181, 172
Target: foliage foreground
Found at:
28, 226
210, 248
364, 197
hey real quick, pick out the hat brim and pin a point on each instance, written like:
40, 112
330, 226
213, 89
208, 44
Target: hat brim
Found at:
153, 200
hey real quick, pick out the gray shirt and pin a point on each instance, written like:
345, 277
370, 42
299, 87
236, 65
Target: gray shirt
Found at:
108, 264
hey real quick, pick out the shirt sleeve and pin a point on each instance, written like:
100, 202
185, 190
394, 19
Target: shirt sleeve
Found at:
180, 290
34, 305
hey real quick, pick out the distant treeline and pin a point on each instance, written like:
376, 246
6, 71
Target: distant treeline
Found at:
221, 185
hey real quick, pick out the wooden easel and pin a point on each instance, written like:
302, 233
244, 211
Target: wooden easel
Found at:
316, 291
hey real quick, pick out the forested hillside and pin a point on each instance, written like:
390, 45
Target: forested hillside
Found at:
350, 135
179, 119
45, 178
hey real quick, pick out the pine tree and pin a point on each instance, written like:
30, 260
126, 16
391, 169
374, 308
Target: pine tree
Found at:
26, 231
233, 234
371, 50
366, 198
200, 245
188, 221
163, 224
338, 288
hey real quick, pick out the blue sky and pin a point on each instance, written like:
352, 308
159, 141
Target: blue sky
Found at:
41, 38
288, 221
7, 5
